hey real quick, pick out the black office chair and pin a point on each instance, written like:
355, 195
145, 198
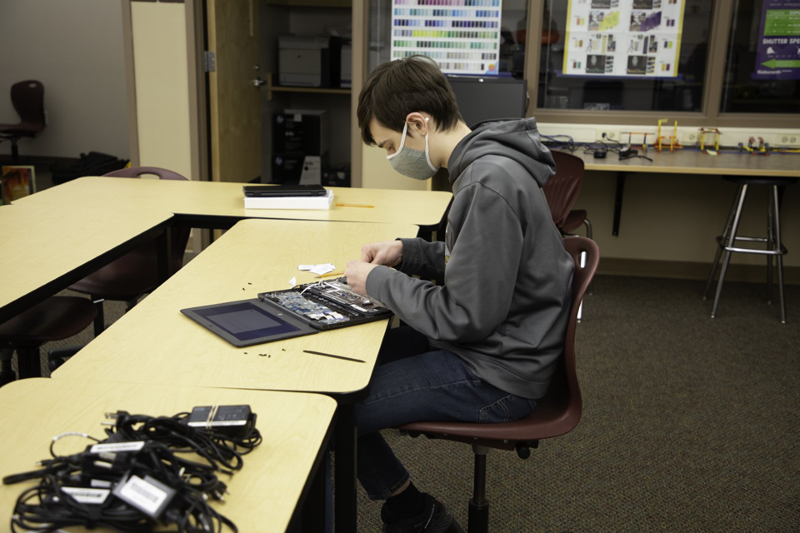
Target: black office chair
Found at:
27, 97
54, 319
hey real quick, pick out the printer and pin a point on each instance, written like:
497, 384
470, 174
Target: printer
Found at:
309, 61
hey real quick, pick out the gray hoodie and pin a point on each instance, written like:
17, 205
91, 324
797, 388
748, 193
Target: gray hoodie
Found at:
504, 304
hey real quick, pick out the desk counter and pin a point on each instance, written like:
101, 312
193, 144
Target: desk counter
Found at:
155, 343
696, 162
263, 495
196, 199
44, 250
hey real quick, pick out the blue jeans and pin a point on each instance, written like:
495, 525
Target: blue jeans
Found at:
434, 385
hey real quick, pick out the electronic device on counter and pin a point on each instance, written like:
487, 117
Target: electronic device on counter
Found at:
309, 61
276, 315
268, 191
328, 304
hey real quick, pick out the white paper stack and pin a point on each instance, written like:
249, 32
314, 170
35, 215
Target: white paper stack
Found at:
289, 202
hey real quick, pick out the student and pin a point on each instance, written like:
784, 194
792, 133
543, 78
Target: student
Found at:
482, 345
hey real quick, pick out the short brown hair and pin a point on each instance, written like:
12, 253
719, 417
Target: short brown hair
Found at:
404, 86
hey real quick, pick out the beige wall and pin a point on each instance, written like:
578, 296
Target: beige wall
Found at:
162, 85
75, 49
677, 217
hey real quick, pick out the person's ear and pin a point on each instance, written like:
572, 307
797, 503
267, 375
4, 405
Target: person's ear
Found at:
417, 123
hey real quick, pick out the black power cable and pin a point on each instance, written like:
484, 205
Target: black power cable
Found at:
144, 453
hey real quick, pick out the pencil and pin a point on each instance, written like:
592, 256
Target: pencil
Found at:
335, 356
355, 205
330, 274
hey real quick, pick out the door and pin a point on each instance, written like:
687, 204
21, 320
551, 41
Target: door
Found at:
233, 90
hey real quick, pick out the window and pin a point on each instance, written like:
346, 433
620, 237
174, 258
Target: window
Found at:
619, 55
762, 68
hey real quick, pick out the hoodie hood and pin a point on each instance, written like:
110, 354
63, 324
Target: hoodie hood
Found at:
515, 139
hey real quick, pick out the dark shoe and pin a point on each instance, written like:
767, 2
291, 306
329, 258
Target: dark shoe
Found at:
435, 518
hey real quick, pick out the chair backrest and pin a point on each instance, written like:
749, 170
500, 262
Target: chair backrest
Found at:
562, 190
135, 172
27, 97
564, 394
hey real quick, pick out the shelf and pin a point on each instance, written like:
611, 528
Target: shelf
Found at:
272, 88
311, 3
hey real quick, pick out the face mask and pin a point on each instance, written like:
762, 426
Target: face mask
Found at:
410, 162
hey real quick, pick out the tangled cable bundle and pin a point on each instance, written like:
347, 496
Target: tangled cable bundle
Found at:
148, 472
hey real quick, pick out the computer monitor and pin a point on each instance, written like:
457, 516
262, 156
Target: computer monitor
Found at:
482, 99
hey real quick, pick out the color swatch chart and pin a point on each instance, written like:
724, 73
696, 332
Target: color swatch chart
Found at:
462, 36
624, 38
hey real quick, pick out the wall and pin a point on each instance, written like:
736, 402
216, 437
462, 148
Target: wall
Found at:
75, 49
676, 218
162, 85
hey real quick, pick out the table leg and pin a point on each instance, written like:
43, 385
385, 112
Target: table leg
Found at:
164, 246
346, 511
313, 511
618, 202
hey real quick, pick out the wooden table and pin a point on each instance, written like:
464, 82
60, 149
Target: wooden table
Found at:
689, 162
154, 343
263, 495
44, 250
220, 205
254, 256
61, 234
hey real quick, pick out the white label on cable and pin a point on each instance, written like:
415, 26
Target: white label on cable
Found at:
101, 483
297, 117
143, 495
218, 423
118, 447
84, 495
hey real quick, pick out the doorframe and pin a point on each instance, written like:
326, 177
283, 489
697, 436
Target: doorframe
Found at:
130, 80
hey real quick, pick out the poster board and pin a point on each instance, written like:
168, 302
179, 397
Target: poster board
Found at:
624, 38
462, 39
16, 182
778, 50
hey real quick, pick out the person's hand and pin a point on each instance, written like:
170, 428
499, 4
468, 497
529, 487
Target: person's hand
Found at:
357, 272
388, 253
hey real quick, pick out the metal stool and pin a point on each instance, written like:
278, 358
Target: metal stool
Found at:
774, 246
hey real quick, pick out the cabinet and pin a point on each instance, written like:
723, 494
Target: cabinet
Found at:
368, 22
305, 18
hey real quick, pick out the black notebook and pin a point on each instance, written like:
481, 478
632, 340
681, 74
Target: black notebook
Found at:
256, 191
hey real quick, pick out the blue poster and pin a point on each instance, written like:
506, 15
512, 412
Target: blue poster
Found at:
778, 56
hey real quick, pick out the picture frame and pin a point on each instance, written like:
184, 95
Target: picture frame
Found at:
16, 182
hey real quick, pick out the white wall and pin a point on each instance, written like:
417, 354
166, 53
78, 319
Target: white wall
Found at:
75, 49
162, 85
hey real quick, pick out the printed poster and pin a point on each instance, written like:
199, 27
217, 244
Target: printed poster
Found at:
462, 36
623, 38
778, 53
